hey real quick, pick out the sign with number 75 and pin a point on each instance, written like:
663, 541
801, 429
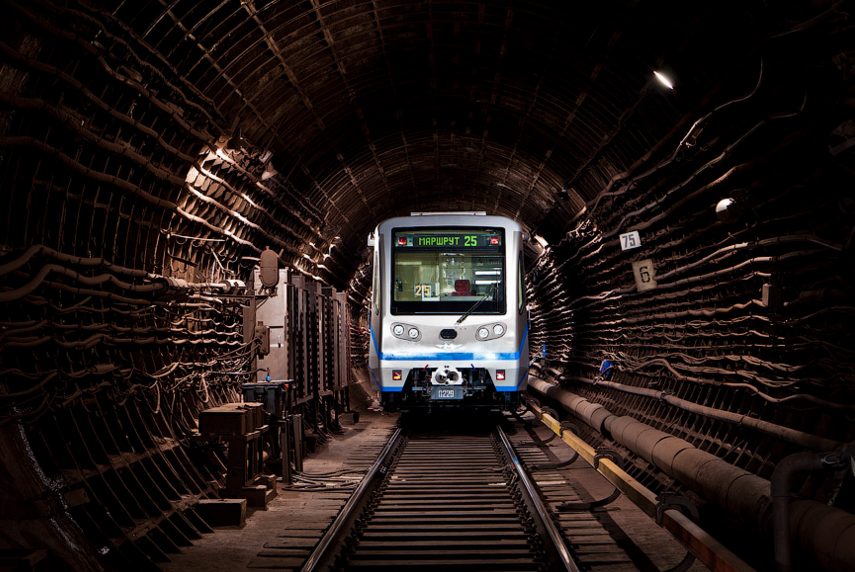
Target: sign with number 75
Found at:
630, 240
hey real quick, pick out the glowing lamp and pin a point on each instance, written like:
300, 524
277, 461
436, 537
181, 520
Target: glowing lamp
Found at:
664, 79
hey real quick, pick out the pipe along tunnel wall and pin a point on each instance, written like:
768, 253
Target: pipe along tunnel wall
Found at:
827, 533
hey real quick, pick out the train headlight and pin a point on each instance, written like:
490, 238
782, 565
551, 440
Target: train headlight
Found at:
398, 330
413, 333
498, 329
483, 333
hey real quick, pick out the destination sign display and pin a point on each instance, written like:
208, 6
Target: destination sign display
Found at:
448, 239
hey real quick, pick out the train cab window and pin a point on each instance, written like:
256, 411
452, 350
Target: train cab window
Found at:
448, 270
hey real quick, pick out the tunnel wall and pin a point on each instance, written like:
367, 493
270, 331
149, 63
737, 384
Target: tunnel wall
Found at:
129, 201
742, 345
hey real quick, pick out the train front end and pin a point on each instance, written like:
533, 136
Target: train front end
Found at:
449, 324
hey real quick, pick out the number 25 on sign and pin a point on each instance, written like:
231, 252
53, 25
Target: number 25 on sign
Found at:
644, 271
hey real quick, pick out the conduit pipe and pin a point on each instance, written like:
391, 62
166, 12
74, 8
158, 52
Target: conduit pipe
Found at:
800, 438
159, 284
821, 531
162, 203
782, 478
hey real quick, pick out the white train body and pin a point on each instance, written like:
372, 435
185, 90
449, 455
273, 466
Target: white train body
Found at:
448, 324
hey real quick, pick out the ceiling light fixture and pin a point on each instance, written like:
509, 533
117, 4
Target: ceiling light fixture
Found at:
727, 210
664, 79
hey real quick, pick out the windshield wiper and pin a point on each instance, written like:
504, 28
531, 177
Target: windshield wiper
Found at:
476, 304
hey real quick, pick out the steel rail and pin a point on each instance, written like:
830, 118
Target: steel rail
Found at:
326, 549
534, 501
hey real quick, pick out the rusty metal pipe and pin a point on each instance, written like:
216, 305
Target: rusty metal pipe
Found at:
591, 413
826, 532
782, 484
821, 531
733, 489
795, 436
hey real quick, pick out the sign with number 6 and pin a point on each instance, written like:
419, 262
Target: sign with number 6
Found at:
644, 272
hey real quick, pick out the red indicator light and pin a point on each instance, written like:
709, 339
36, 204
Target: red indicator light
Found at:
500, 375
494, 240
402, 241
396, 375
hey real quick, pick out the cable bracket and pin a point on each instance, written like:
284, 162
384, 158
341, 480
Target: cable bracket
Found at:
672, 500
546, 410
606, 453
567, 425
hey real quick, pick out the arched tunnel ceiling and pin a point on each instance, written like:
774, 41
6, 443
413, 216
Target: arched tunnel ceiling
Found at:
375, 109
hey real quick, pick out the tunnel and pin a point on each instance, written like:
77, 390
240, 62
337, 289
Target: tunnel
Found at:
684, 171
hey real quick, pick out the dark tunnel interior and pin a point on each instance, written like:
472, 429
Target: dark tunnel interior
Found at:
151, 150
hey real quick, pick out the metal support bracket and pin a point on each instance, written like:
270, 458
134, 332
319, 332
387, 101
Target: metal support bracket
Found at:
668, 500
548, 411
298, 442
672, 500
606, 453
565, 425
560, 464
602, 453
835, 461
285, 449
518, 417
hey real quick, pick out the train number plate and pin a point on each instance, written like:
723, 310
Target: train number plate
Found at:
446, 392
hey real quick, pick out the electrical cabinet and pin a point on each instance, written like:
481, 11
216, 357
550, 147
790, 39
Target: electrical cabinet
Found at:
270, 311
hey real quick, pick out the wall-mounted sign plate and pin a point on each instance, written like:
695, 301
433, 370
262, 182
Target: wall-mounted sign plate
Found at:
630, 240
644, 272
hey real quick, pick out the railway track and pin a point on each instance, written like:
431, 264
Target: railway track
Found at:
450, 502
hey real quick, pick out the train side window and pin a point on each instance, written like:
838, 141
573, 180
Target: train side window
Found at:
520, 284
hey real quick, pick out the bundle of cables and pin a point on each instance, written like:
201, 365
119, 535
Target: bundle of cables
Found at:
344, 479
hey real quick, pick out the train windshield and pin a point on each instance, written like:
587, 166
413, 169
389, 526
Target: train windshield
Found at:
448, 270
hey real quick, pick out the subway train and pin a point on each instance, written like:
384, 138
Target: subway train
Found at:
449, 323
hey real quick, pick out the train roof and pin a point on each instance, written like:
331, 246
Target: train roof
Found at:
474, 218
